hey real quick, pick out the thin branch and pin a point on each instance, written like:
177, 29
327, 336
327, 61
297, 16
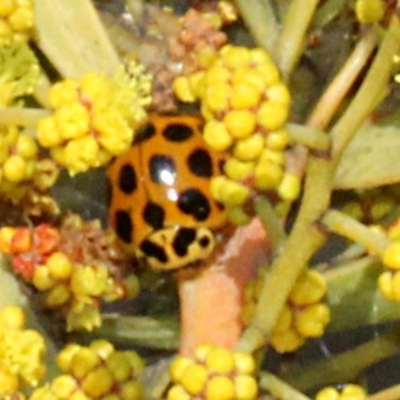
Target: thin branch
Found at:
344, 80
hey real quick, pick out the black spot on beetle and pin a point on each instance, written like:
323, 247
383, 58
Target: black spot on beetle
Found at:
123, 226
154, 215
194, 203
162, 170
144, 133
127, 180
200, 163
183, 239
177, 132
151, 249
204, 241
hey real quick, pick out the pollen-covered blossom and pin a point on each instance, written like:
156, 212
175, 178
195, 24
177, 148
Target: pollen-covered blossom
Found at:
349, 391
246, 105
73, 267
304, 316
97, 371
93, 117
21, 352
16, 21
214, 373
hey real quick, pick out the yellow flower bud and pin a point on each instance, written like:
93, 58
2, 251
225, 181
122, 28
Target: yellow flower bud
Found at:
64, 386
220, 388
41, 278
97, 382
12, 318
245, 387
47, 133
249, 149
240, 123
244, 96
391, 256
65, 92
83, 362
7, 7
26, 146
311, 321
183, 90
238, 216
328, 393
15, 169
216, 136
353, 392
287, 342
234, 56
216, 74
177, 392
132, 390
238, 170
310, 288
72, 120
277, 140
216, 96
370, 11
272, 115
194, 378
220, 360
57, 296
229, 192
59, 265
244, 363
279, 93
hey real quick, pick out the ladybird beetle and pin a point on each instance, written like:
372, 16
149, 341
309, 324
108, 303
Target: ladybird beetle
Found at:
160, 206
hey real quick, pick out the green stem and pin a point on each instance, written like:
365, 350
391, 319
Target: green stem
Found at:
392, 393
328, 12
289, 46
260, 19
305, 238
42, 90
26, 117
370, 92
312, 138
278, 388
271, 223
143, 331
330, 101
344, 225
343, 367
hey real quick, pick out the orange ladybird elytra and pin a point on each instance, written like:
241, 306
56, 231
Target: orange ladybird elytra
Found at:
160, 202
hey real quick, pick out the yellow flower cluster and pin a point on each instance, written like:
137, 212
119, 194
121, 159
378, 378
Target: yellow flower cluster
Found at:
214, 373
94, 372
79, 287
24, 178
21, 352
389, 280
305, 315
94, 117
19, 73
16, 21
346, 392
245, 105
369, 11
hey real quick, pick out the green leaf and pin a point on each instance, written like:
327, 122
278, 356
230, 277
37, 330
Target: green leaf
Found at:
73, 37
354, 298
371, 159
